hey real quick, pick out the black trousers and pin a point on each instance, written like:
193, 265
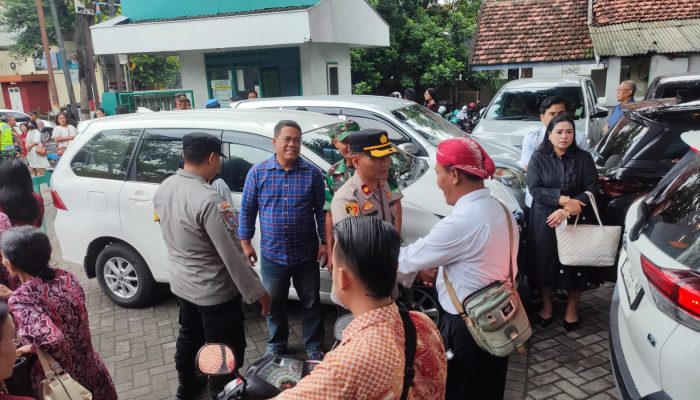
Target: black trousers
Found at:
221, 323
472, 373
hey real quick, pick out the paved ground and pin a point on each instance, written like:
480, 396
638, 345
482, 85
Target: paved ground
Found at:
138, 345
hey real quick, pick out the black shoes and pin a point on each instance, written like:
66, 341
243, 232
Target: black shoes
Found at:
544, 322
570, 326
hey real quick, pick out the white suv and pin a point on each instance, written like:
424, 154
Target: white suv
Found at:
655, 313
104, 184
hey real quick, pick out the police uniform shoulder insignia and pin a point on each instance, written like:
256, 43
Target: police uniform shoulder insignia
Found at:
156, 218
352, 209
366, 190
388, 195
228, 216
367, 206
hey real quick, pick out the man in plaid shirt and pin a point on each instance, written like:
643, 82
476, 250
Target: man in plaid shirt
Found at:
288, 194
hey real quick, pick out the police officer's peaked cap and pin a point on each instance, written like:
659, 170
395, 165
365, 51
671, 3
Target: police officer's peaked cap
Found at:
202, 142
373, 142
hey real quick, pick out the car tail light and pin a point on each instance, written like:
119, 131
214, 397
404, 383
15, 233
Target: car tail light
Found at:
617, 188
57, 202
677, 292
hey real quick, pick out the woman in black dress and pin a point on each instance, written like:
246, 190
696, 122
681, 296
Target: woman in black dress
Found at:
558, 176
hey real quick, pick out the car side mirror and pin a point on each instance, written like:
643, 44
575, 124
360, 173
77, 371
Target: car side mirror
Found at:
215, 359
340, 324
409, 148
600, 112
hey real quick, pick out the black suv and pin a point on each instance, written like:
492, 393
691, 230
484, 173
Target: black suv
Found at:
640, 150
684, 87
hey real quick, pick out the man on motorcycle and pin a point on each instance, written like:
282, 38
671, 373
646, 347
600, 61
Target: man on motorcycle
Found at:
370, 361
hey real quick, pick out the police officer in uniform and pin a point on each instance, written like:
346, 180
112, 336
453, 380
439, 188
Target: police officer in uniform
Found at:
367, 192
7, 142
209, 273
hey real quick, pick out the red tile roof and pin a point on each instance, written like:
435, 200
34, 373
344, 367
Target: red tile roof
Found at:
531, 31
611, 12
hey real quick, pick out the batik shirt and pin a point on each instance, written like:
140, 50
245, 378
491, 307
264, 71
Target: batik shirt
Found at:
369, 363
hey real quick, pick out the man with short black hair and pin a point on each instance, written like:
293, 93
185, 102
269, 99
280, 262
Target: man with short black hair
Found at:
253, 94
208, 270
378, 345
409, 94
288, 194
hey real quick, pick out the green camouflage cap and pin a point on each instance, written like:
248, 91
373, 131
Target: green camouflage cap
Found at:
342, 130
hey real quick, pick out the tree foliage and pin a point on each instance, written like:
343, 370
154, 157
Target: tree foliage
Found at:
154, 72
429, 46
19, 17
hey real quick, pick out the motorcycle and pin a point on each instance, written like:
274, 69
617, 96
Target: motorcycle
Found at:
270, 375
265, 378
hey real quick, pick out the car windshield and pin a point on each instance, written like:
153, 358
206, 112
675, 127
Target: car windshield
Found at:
688, 90
612, 149
523, 104
674, 222
405, 168
428, 124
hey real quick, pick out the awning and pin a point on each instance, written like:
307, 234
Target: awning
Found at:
639, 38
352, 22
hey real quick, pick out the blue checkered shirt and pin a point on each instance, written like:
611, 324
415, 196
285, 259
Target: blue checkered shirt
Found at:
290, 204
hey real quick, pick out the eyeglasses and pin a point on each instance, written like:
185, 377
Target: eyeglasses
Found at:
16, 341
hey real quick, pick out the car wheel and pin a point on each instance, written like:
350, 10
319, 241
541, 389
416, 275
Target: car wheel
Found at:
420, 300
124, 276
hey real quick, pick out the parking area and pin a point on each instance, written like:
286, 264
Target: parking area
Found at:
138, 345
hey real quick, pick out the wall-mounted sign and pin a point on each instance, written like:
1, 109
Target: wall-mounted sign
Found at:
81, 9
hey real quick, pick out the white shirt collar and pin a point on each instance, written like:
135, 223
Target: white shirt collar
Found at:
471, 197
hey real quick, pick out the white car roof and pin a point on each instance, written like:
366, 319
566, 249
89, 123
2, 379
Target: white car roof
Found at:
382, 102
261, 122
692, 138
544, 82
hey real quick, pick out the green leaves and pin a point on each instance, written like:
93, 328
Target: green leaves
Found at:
429, 45
154, 72
20, 18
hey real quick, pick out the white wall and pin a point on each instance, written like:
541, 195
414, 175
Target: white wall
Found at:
194, 77
694, 63
612, 80
563, 70
663, 65
314, 57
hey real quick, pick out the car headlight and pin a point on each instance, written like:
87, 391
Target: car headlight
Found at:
510, 177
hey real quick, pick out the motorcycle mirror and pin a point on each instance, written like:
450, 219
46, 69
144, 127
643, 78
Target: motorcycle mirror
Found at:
340, 324
215, 359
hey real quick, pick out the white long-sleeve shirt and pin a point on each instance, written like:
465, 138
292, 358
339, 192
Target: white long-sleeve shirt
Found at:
471, 245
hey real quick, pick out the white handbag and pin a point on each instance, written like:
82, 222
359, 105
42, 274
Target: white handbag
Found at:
588, 245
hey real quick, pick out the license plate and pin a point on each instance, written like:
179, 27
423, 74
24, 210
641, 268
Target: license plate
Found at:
632, 284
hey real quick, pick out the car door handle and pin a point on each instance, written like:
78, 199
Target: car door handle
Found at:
138, 198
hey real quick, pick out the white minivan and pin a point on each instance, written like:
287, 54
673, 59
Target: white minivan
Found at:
104, 184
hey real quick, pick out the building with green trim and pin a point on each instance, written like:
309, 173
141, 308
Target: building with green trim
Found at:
228, 47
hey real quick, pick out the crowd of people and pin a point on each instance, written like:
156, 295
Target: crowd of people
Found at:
43, 310
347, 219
34, 143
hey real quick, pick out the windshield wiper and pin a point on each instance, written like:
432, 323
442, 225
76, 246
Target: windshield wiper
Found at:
514, 118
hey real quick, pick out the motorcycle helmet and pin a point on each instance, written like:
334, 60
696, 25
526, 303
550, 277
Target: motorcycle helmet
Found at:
472, 106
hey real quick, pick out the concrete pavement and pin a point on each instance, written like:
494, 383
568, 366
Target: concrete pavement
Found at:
138, 345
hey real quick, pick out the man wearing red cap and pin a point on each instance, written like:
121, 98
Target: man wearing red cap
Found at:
469, 247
